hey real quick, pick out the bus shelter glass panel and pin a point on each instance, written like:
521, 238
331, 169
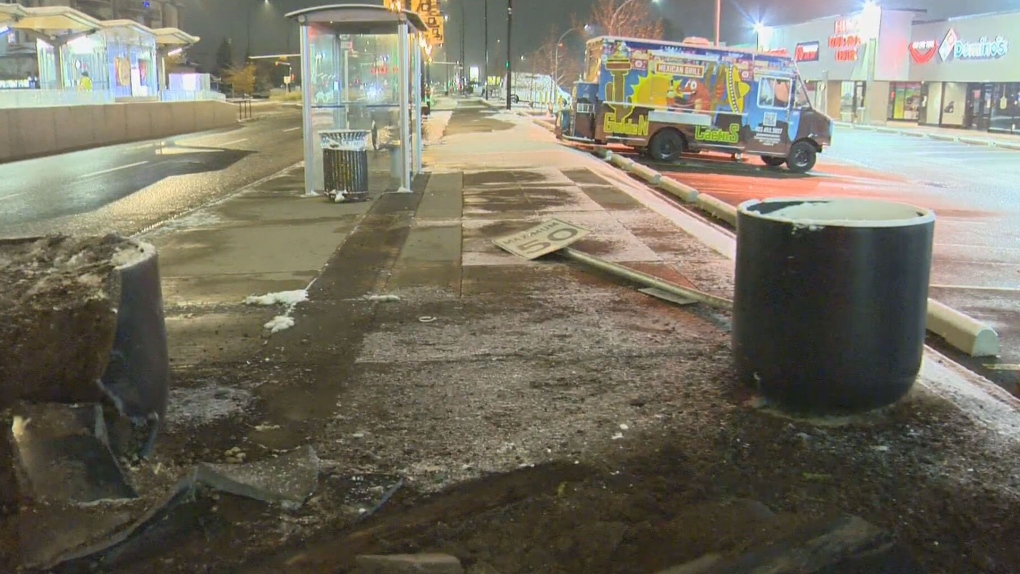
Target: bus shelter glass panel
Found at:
82, 64
132, 63
355, 86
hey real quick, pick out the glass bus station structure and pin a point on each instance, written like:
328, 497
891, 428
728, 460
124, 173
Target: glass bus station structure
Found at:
83, 61
361, 70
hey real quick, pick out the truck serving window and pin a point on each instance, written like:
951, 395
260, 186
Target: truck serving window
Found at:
774, 92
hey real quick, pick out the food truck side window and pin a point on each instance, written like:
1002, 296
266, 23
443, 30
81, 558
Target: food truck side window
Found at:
774, 92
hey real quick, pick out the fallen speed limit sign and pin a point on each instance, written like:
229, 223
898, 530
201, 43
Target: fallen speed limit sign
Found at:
542, 239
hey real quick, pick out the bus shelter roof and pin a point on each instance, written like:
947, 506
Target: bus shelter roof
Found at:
174, 37
353, 18
52, 20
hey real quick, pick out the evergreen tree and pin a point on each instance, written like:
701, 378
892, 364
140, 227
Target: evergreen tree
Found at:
224, 57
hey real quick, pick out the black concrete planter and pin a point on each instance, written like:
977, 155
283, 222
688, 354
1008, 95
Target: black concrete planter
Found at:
831, 300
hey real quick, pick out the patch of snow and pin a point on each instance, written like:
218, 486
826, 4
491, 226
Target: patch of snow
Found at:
384, 298
288, 298
279, 323
435, 126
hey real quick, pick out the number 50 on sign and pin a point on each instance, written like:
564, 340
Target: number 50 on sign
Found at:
542, 239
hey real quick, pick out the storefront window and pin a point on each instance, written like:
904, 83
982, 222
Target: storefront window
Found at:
904, 101
1006, 108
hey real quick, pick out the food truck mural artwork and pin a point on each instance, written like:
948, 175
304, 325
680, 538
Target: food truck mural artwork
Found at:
705, 97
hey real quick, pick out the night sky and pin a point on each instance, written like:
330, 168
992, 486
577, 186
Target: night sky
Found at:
533, 19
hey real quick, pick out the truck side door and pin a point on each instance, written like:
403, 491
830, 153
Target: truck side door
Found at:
768, 118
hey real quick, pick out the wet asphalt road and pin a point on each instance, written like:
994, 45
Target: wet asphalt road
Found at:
130, 187
974, 190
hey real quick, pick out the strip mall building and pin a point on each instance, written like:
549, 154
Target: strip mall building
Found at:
881, 66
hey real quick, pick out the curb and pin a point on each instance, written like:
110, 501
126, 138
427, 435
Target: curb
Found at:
935, 136
961, 331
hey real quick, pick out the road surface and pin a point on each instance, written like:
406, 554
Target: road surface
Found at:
129, 187
973, 190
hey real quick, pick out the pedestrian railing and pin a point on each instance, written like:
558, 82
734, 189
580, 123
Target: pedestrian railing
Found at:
244, 109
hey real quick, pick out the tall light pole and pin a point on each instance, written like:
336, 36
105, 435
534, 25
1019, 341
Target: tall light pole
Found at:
463, 43
718, 21
509, 67
485, 66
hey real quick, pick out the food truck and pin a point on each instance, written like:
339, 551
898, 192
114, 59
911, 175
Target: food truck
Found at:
667, 98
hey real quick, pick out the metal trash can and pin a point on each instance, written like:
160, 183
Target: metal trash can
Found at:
830, 301
345, 161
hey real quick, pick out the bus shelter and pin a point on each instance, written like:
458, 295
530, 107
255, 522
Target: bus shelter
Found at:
361, 87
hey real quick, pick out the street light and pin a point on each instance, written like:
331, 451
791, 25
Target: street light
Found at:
759, 29
248, 37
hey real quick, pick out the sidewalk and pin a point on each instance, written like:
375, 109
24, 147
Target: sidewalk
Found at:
1008, 141
601, 428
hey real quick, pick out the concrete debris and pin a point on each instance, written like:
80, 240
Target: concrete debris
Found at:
289, 479
408, 564
62, 455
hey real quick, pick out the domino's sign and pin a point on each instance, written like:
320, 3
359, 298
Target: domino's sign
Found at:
983, 49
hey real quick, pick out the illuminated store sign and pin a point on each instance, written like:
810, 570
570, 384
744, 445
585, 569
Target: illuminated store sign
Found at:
806, 52
846, 39
983, 49
952, 47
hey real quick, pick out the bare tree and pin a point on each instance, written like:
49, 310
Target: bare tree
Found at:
630, 18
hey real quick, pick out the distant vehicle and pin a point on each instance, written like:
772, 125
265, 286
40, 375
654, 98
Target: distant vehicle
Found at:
667, 98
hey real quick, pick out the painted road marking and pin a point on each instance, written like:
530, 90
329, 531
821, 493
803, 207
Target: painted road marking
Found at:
113, 169
977, 288
292, 129
234, 142
1004, 367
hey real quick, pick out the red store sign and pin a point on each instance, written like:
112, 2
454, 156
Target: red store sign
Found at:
846, 39
923, 51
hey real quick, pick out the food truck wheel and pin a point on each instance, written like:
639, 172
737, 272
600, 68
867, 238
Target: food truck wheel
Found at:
667, 145
773, 161
802, 157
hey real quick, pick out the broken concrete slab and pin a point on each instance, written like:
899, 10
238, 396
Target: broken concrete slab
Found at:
83, 317
62, 455
289, 479
408, 564
47, 532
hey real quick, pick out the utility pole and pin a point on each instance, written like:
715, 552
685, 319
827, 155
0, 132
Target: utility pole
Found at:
463, 45
509, 67
485, 67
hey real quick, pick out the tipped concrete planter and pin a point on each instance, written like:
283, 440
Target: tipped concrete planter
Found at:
83, 318
830, 301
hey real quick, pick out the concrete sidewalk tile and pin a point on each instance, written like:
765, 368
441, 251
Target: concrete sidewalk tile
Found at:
446, 276
609, 240
611, 198
443, 196
557, 199
203, 337
482, 281
432, 244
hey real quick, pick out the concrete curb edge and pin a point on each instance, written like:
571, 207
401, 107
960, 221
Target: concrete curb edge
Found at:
938, 137
959, 330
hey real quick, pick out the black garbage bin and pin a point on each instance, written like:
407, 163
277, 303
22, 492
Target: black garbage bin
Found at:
831, 300
345, 161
